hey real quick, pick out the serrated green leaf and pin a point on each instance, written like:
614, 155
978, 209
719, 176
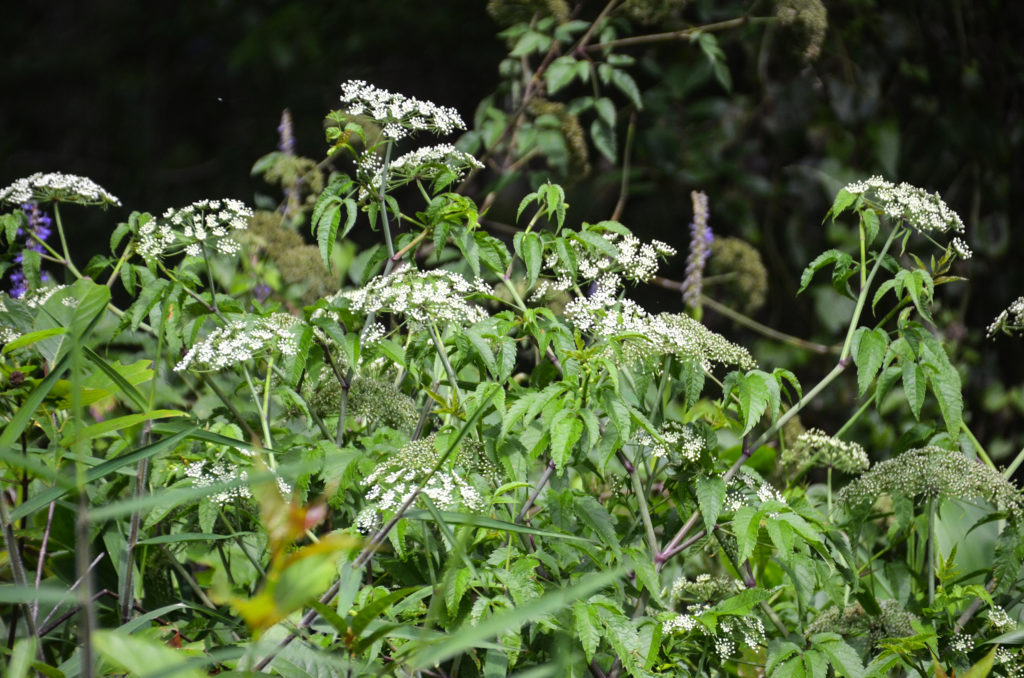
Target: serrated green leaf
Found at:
844, 659
603, 136
560, 73
533, 257
833, 256
914, 384
593, 514
869, 348
843, 200
605, 108
945, 385
472, 635
586, 624
710, 499
746, 524
625, 84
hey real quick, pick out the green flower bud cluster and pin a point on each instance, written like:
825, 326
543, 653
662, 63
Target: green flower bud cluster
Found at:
297, 262
894, 622
815, 448
649, 12
381, 402
810, 18
509, 12
572, 131
745, 278
703, 587
933, 473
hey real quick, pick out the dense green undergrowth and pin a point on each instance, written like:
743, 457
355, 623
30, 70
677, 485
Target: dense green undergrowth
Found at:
465, 450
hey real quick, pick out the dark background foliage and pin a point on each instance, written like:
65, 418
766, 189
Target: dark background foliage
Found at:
166, 104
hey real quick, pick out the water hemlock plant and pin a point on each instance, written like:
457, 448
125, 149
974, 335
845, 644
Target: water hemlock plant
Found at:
470, 451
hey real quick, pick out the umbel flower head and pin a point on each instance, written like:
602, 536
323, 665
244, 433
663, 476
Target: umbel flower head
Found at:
203, 222
680, 444
242, 340
933, 473
815, 448
397, 477
634, 259
57, 187
423, 297
640, 335
398, 115
1009, 321
925, 212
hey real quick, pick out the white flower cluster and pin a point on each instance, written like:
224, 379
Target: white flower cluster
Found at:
424, 163
1010, 662
1010, 321
398, 114
749, 629
241, 340
606, 316
1000, 620
748, 484
962, 249
679, 444
961, 642
423, 297
8, 334
39, 296
57, 187
924, 211
204, 474
635, 260
204, 221
815, 447
393, 482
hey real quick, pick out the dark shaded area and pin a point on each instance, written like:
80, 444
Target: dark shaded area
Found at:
164, 105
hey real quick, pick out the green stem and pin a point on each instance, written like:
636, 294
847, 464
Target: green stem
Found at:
117, 266
930, 568
977, 446
865, 287
209, 276
443, 355
641, 500
64, 243
267, 442
1009, 470
856, 415
384, 205
828, 483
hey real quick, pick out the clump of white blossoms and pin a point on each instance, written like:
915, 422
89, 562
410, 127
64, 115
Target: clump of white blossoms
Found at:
425, 164
728, 629
429, 162
398, 114
679, 444
203, 222
1000, 620
1010, 321
926, 212
640, 335
634, 259
815, 448
423, 297
933, 473
395, 480
206, 474
241, 340
57, 187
